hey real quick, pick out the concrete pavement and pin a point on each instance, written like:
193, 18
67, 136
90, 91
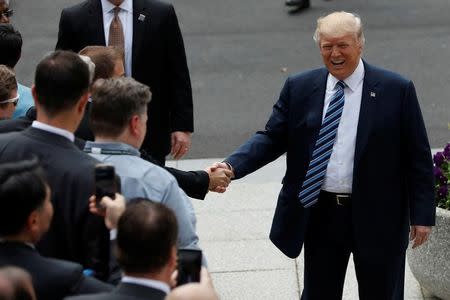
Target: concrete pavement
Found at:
234, 228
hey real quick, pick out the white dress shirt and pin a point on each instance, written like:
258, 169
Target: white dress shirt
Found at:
53, 129
156, 284
126, 17
339, 175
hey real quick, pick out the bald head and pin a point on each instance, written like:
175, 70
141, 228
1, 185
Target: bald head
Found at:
339, 24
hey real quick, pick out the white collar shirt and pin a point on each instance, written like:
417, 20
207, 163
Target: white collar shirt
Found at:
155, 284
126, 17
339, 175
59, 131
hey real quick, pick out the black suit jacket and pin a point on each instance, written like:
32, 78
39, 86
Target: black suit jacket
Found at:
126, 291
53, 279
392, 174
158, 60
75, 234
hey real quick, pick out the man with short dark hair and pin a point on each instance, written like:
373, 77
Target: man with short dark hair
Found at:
61, 92
8, 92
148, 256
10, 51
119, 120
25, 217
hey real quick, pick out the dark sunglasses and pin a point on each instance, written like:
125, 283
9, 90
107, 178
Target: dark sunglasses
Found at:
7, 14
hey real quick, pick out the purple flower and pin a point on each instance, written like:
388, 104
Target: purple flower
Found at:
443, 192
438, 159
439, 176
446, 152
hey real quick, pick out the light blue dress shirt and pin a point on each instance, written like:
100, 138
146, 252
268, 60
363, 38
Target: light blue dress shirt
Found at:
140, 178
25, 101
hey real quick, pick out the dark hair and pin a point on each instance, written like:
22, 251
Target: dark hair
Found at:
8, 82
146, 233
22, 190
104, 58
114, 102
10, 45
61, 78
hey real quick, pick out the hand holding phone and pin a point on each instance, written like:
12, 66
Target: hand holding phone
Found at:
189, 266
105, 182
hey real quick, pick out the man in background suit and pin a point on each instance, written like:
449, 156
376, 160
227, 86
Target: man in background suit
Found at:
149, 33
359, 171
24, 218
61, 93
148, 256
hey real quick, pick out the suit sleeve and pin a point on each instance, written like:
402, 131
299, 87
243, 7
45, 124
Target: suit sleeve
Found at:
181, 107
267, 145
65, 33
418, 162
194, 183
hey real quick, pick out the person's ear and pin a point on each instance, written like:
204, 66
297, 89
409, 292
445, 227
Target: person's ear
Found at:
173, 257
134, 125
34, 94
82, 103
32, 223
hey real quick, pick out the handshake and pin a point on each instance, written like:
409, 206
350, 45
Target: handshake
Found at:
220, 175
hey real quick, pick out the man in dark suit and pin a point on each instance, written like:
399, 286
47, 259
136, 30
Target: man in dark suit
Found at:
359, 170
24, 218
148, 256
61, 93
149, 33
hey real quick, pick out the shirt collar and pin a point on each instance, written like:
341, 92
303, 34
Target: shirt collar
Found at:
351, 81
156, 284
53, 129
107, 6
97, 147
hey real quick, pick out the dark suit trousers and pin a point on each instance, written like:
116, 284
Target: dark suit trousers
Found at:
329, 241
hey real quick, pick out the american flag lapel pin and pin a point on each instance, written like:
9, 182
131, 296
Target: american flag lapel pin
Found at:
141, 17
372, 94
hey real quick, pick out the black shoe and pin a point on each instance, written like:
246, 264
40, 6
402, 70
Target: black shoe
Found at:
298, 3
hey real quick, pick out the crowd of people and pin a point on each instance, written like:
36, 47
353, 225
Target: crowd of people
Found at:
107, 95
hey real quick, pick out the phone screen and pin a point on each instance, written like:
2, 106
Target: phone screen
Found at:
189, 265
105, 181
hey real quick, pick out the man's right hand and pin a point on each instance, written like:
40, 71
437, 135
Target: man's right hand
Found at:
219, 179
111, 209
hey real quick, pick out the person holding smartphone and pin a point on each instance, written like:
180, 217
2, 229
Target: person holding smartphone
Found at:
146, 249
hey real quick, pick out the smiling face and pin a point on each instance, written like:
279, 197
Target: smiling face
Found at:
340, 54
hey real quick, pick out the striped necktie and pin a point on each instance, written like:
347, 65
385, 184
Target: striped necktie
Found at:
310, 189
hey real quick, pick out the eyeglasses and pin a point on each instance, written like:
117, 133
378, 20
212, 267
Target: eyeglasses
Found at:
14, 100
7, 13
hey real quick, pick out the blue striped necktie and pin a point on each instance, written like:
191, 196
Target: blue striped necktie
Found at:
309, 192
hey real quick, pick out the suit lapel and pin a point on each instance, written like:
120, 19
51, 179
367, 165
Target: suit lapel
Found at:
141, 16
96, 29
317, 100
367, 112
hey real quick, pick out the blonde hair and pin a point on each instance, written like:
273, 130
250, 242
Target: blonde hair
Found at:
340, 23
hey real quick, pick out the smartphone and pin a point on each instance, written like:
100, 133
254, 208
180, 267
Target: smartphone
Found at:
189, 265
105, 182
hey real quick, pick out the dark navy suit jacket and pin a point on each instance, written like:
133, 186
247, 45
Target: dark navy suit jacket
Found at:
392, 176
